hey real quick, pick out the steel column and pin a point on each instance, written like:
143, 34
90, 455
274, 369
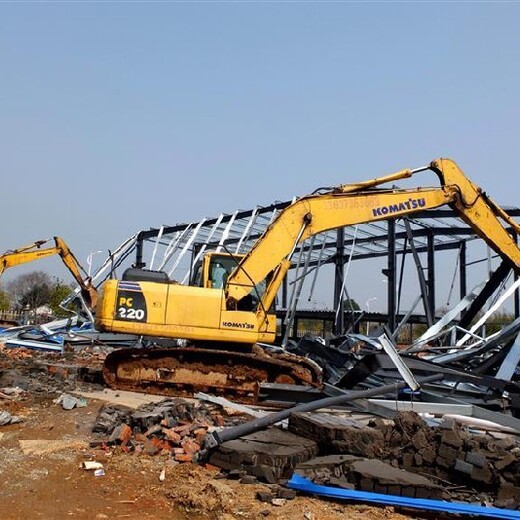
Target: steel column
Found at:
139, 252
420, 275
517, 293
431, 273
339, 273
463, 275
391, 276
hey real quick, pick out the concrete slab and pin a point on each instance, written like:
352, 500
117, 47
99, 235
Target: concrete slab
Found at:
130, 399
269, 454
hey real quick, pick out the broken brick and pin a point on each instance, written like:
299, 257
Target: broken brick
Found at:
507, 491
448, 453
190, 446
236, 474
476, 458
419, 440
150, 448
121, 434
159, 444
283, 492
483, 475
265, 496
428, 455
463, 467
171, 435
451, 438
219, 420
183, 431
408, 460
200, 435
183, 457
156, 428
505, 461
248, 479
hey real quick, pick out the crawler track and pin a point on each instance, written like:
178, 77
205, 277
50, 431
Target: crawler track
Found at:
170, 371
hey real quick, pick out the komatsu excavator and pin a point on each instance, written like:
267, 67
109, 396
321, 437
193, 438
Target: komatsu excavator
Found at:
34, 251
228, 306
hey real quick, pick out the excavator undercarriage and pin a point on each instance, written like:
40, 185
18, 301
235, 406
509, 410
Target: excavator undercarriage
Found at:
177, 370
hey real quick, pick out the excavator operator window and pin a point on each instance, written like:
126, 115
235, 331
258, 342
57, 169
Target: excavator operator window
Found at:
196, 280
219, 269
252, 300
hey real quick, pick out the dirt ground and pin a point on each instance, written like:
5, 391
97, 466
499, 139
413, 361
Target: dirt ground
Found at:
42, 477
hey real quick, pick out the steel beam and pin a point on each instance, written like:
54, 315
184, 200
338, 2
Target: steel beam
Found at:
491, 286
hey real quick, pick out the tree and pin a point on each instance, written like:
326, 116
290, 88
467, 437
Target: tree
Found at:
5, 300
30, 290
496, 322
352, 304
58, 293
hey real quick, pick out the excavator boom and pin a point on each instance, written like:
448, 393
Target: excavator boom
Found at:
354, 204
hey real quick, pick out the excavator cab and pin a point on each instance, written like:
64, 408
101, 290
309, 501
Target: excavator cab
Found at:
213, 270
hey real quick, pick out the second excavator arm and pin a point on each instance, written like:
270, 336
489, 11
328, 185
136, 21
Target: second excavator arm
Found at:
360, 203
34, 252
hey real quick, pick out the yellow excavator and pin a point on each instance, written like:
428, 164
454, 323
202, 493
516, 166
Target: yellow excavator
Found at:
228, 306
36, 251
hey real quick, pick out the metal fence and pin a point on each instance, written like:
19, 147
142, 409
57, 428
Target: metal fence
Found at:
24, 317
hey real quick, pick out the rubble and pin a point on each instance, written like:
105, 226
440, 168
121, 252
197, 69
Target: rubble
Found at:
7, 418
175, 426
269, 455
341, 435
404, 456
68, 402
447, 453
90, 465
369, 475
11, 392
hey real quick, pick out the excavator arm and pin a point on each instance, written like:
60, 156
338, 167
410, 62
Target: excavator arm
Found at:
34, 251
359, 203
25, 254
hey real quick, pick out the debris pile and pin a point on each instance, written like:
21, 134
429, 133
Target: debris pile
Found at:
173, 426
269, 455
61, 336
351, 472
9, 397
335, 356
448, 453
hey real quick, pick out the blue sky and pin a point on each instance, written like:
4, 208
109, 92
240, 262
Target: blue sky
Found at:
116, 117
